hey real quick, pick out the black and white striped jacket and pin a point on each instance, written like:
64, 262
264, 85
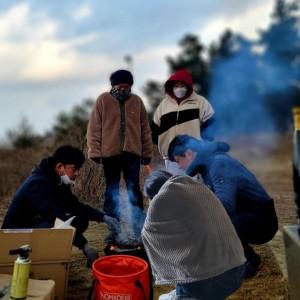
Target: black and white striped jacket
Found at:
171, 119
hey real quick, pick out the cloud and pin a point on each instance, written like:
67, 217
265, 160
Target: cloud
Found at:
57, 60
151, 63
12, 20
37, 54
258, 14
21, 23
53, 54
43, 57
82, 12
31, 49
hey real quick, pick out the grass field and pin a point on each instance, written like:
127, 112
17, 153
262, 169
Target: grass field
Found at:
269, 157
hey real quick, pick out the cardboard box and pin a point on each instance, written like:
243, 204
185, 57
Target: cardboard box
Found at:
37, 289
51, 253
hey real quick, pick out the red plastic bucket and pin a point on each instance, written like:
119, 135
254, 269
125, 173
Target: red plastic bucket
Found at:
121, 277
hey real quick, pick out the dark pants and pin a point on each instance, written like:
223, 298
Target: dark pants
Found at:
255, 228
215, 288
81, 225
129, 165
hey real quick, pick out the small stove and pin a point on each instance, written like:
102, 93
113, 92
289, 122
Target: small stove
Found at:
137, 250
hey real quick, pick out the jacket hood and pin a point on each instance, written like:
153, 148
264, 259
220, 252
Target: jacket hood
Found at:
205, 154
46, 168
183, 76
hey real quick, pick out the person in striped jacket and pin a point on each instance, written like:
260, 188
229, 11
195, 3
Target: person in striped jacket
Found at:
182, 111
190, 240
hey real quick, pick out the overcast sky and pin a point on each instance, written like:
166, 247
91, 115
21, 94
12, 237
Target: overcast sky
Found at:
54, 54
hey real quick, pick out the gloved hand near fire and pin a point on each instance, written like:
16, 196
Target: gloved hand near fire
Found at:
112, 224
91, 254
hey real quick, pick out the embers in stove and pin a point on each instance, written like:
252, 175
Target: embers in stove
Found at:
137, 250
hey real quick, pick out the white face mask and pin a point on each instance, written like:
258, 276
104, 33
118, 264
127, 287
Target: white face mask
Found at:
180, 92
65, 179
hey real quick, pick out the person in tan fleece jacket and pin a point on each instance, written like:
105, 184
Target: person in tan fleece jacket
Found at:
119, 137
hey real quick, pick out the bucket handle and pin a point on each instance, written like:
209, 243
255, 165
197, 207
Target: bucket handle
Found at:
139, 285
91, 290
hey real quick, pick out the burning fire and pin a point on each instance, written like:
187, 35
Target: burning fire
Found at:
118, 248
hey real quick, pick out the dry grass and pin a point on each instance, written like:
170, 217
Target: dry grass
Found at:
270, 162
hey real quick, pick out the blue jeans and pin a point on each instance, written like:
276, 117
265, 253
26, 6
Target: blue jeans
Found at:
215, 288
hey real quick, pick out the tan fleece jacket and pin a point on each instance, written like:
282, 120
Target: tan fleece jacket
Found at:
104, 135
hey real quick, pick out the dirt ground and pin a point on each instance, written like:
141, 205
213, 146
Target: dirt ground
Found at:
269, 157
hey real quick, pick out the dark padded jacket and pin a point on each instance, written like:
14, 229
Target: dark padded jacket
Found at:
236, 187
42, 198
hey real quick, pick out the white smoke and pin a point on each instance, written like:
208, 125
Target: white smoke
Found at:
131, 221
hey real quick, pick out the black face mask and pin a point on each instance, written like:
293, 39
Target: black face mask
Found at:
120, 94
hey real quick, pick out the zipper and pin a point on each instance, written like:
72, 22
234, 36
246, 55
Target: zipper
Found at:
177, 116
122, 125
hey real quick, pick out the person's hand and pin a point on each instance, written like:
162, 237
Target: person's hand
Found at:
145, 161
91, 254
97, 160
112, 224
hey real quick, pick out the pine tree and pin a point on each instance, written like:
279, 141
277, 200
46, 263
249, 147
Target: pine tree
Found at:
191, 58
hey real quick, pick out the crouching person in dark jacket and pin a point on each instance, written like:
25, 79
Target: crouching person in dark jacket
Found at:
46, 195
250, 208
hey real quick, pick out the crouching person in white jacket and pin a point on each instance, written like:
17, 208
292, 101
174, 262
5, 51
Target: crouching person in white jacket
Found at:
190, 240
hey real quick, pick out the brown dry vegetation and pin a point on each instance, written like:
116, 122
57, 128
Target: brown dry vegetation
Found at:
269, 157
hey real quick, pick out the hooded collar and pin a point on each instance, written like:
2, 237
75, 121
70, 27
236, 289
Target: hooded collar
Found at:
46, 168
205, 155
183, 76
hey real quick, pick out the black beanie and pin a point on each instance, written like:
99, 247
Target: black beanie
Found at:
69, 155
121, 76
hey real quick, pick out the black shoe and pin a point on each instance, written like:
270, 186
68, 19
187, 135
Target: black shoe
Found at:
91, 254
252, 266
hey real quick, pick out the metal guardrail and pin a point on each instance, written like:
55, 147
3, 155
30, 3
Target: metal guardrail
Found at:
291, 233
296, 158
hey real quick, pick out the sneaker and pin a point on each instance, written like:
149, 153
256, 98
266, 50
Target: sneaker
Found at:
169, 296
172, 296
252, 266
